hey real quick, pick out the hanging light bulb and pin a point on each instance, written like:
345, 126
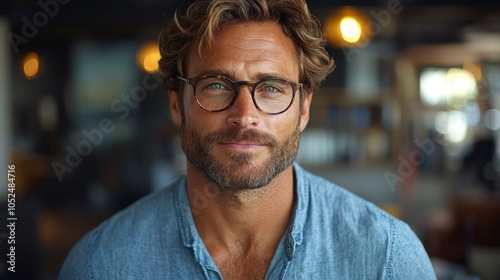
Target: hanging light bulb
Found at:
345, 27
350, 29
31, 65
148, 56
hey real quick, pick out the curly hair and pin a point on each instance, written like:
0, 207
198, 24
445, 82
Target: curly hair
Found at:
197, 30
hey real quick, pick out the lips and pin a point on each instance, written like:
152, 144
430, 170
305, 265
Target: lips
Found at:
242, 139
243, 143
245, 146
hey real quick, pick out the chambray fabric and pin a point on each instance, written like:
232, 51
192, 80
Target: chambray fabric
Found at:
333, 235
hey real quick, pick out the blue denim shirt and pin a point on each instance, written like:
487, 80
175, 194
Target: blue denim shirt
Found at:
333, 235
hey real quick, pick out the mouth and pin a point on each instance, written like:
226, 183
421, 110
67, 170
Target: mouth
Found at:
237, 140
242, 145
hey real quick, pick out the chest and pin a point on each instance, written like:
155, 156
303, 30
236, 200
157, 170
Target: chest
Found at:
250, 267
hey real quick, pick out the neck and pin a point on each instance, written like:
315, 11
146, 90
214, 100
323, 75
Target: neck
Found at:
248, 218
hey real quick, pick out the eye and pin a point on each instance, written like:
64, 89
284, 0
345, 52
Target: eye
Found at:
216, 86
271, 89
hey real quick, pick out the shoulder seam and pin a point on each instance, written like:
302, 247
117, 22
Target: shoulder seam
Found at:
90, 250
389, 269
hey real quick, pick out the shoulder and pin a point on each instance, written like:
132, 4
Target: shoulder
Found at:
145, 229
145, 215
357, 233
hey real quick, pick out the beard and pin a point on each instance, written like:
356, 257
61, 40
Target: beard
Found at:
237, 172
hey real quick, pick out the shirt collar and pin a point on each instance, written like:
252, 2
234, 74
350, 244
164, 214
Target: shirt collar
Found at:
189, 233
299, 218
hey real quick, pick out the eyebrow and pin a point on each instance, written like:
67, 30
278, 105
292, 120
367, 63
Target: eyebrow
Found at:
216, 72
232, 75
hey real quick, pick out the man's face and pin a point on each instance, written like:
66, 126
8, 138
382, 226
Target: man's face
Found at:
242, 148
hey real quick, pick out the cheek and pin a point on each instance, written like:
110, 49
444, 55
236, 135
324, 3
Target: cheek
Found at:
190, 111
202, 122
285, 126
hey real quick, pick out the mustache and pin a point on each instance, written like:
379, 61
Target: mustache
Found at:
235, 134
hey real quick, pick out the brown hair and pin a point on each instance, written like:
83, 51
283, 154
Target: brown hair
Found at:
197, 29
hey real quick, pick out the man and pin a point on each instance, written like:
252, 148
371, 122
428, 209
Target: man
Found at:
240, 76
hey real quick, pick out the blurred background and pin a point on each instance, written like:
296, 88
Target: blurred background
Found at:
409, 120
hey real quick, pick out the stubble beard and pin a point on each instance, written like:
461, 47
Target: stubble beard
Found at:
237, 172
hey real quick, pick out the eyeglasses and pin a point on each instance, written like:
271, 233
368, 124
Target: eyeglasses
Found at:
217, 93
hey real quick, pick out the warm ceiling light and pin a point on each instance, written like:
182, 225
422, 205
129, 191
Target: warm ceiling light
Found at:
148, 57
31, 65
344, 28
350, 29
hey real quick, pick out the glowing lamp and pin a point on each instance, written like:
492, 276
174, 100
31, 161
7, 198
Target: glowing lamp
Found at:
148, 56
350, 29
31, 65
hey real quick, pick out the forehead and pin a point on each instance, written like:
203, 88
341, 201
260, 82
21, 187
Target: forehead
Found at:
247, 50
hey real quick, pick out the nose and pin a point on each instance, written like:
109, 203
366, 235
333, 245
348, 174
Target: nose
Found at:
243, 112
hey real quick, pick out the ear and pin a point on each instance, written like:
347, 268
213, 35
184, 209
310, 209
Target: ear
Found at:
175, 109
304, 111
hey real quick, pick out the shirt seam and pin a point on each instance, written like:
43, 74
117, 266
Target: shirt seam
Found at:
91, 246
181, 219
391, 249
302, 205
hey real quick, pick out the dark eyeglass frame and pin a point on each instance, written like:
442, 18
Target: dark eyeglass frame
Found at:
236, 86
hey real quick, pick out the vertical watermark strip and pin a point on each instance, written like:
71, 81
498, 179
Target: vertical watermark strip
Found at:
5, 102
5, 124
11, 217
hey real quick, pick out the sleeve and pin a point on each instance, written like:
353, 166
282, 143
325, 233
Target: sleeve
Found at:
76, 265
408, 258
